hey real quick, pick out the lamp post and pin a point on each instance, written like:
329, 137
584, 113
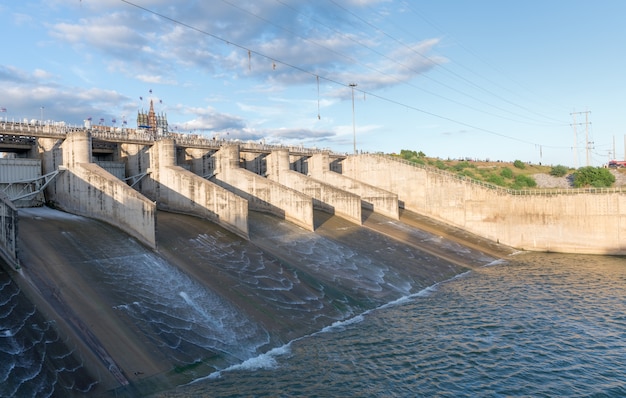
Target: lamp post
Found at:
352, 86
42, 115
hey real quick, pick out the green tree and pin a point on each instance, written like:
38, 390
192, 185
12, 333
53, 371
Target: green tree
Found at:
407, 154
590, 176
519, 164
558, 171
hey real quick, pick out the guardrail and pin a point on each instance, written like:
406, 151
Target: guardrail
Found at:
509, 191
108, 133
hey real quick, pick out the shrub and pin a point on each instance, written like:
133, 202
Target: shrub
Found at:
597, 177
506, 173
496, 179
468, 173
462, 165
407, 154
440, 165
522, 181
519, 164
558, 171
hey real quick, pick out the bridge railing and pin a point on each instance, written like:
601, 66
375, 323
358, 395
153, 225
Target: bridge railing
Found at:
109, 133
503, 190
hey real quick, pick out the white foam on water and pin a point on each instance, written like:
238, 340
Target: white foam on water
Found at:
263, 361
341, 325
268, 360
499, 261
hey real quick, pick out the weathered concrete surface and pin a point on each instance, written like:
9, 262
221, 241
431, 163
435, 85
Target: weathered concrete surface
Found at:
325, 197
21, 176
8, 231
179, 190
589, 223
373, 197
263, 194
88, 190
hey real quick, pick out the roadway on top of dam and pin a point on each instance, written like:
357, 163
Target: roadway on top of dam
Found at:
15, 136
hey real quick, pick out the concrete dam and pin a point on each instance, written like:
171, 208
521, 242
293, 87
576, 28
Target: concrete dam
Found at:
172, 257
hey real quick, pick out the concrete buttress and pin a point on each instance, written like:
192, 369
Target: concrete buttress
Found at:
181, 191
88, 190
325, 196
263, 194
372, 197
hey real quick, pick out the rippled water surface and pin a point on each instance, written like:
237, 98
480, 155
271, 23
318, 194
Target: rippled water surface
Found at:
533, 325
34, 360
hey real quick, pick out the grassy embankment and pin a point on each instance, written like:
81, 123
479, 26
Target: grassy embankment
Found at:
515, 175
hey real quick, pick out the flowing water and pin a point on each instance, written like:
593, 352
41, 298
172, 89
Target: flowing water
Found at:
34, 360
344, 311
532, 325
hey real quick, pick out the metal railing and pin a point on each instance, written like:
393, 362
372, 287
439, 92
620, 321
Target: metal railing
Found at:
117, 134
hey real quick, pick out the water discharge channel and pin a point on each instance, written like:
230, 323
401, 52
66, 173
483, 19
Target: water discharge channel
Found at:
207, 299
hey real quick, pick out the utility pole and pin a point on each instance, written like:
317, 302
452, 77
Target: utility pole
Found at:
587, 143
575, 140
352, 86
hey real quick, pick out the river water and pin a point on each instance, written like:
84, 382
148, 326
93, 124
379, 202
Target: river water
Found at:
532, 325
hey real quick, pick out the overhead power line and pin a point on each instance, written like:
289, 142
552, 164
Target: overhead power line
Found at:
275, 60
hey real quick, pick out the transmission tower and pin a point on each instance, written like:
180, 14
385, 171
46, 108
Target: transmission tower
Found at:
588, 144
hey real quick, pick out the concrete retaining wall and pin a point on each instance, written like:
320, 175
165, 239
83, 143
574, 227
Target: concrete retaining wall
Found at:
375, 198
182, 191
263, 194
200, 161
325, 197
86, 189
115, 168
593, 223
20, 176
8, 231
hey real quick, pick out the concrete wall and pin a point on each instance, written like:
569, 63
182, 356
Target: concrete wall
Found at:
180, 190
253, 161
88, 190
115, 168
8, 231
200, 161
593, 223
263, 194
375, 198
325, 197
20, 176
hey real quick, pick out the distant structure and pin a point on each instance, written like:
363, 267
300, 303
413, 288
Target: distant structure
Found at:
153, 123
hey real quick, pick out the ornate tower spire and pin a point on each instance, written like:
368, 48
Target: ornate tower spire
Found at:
152, 119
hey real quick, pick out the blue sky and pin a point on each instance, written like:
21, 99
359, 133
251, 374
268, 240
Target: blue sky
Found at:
481, 79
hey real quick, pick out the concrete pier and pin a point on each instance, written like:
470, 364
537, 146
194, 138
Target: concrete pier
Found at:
179, 190
326, 197
88, 190
263, 194
372, 197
